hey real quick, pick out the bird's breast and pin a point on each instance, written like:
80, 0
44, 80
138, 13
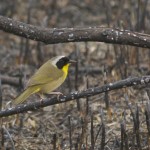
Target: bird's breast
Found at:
65, 70
51, 86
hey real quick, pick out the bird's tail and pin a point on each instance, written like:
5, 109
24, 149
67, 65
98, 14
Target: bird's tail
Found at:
25, 94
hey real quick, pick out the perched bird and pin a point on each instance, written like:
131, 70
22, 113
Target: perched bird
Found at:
47, 78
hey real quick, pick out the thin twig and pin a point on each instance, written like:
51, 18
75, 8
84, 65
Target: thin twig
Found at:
10, 138
70, 131
92, 132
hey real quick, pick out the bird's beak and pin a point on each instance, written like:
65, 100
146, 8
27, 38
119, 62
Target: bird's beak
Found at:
72, 61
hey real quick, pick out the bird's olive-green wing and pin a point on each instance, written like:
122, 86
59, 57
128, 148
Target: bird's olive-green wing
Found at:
45, 74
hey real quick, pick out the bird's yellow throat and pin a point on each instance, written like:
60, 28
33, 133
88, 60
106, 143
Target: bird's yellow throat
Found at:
65, 69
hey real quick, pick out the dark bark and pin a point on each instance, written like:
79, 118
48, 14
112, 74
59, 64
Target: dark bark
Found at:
75, 95
63, 35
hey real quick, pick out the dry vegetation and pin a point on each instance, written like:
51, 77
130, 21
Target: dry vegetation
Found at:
118, 119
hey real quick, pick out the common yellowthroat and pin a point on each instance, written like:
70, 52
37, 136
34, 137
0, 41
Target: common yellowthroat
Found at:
47, 78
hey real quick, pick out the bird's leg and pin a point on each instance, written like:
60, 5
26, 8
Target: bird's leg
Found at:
42, 97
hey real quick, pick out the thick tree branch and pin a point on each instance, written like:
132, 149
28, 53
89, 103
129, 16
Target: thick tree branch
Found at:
76, 95
51, 36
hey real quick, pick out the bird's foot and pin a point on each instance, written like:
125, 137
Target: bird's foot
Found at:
42, 97
56, 93
41, 100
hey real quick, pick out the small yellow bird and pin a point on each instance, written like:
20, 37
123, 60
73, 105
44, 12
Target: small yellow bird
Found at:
47, 78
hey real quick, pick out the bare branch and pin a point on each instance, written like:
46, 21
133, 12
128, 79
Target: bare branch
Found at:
75, 95
10, 80
51, 36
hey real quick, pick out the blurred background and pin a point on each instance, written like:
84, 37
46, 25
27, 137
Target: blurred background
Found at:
91, 122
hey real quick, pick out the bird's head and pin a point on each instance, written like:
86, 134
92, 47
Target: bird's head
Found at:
63, 63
